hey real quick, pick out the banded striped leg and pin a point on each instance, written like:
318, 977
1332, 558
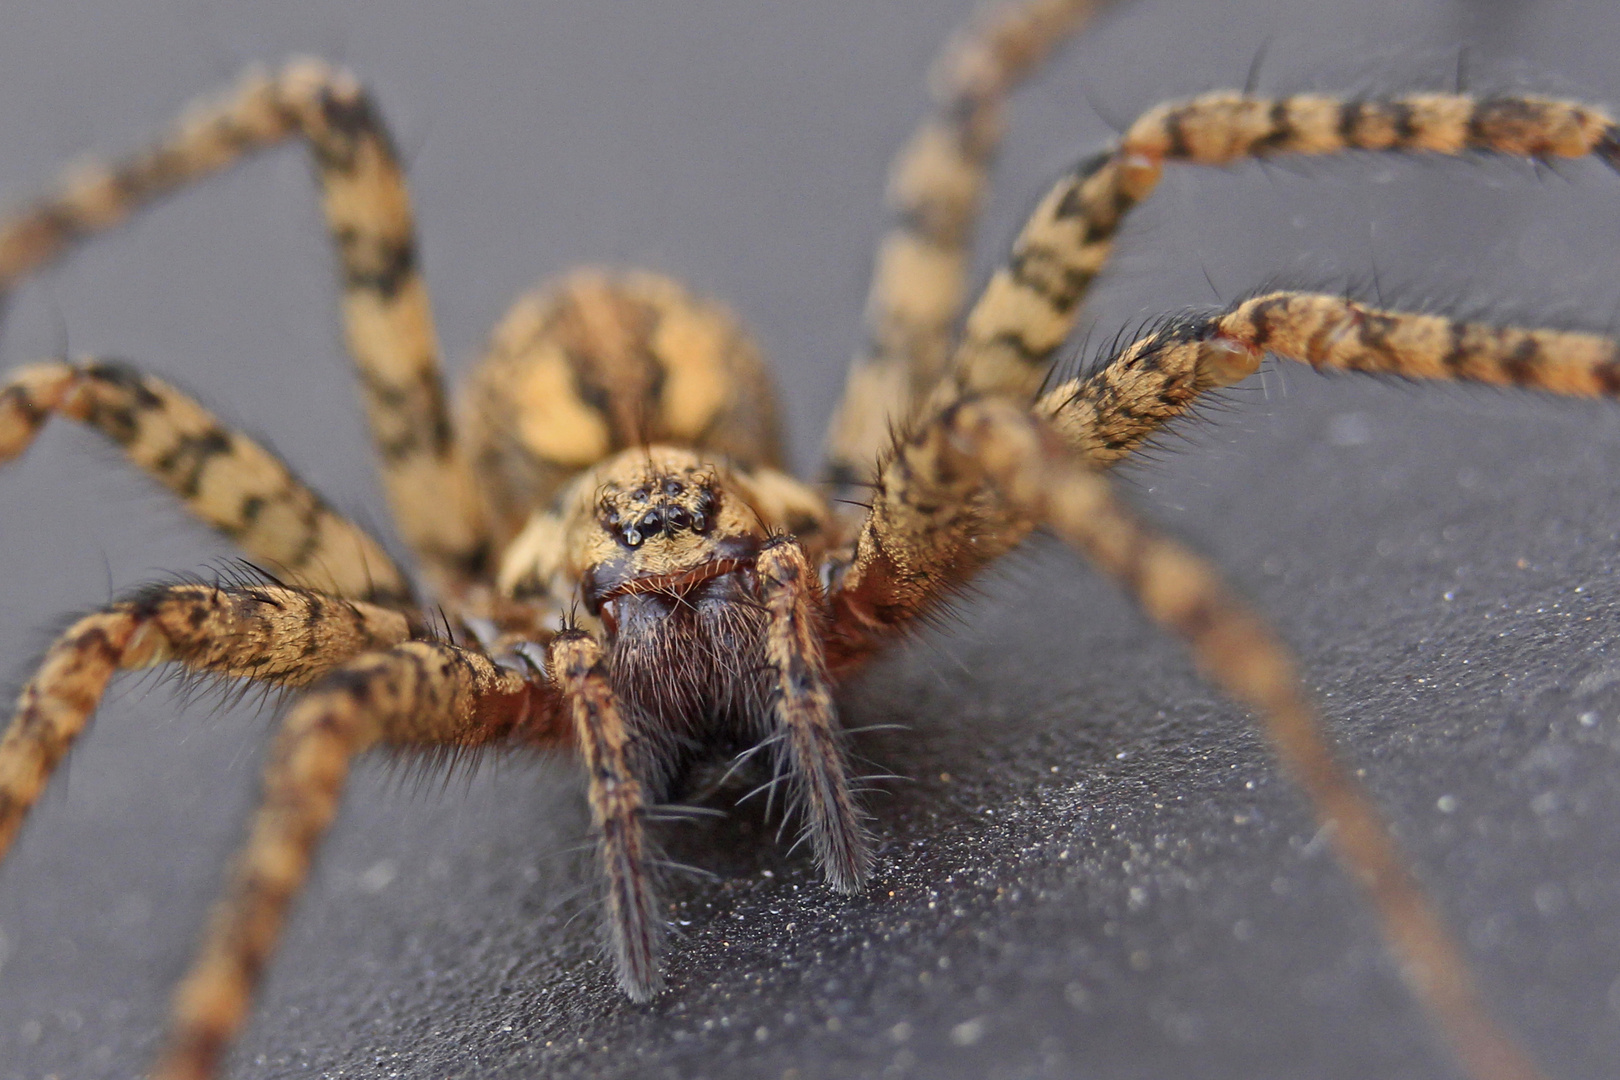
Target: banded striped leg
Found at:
1109, 413
980, 445
803, 712
420, 694
1030, 305
617, 803
224, 477
385, 303
936, 186
266, 632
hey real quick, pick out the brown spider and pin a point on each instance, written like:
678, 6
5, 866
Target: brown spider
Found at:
724, 589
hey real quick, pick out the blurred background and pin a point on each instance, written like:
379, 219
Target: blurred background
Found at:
1093, 869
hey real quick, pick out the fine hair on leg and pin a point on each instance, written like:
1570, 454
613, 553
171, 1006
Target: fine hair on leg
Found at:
1109, 413
937, 185
811, 751
387, 317
618, 806
270, 633
225, 478
420, 694
1031, 303
975, 444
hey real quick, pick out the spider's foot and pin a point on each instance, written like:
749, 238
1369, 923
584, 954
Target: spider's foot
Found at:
851, 868
636, 934
842, 849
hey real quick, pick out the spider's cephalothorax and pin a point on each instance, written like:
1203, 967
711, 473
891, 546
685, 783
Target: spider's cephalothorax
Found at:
617, 458
661, 546
655, 544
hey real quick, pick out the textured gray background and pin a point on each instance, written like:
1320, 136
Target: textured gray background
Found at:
1095, 870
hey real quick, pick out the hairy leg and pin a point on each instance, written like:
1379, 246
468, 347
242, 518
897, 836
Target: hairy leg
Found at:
617, 805
266, 632
813, 753
1107, 414
1032, 302
416, 695
993, 454
225, 478
385, 303
936, 185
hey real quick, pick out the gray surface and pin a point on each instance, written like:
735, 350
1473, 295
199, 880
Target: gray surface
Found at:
1113, 881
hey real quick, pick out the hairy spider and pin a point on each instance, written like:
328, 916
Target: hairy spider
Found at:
696, 566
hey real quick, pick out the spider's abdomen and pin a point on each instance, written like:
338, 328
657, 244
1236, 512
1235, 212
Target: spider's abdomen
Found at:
599, 363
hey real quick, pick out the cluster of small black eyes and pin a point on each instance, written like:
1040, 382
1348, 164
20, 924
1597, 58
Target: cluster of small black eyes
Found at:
662, 517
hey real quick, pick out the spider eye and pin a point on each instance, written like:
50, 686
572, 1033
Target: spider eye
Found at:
673, 487
632, 536
651, 523
676, 517
700, 516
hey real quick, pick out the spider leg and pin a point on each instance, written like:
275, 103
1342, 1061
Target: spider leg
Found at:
1032, 302
225, 478
936, 185
420, 694
618, 805
812, 752
385, 303
992, 455
1107, 414
266, 632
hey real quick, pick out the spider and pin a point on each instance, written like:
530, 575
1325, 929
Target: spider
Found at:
682, 507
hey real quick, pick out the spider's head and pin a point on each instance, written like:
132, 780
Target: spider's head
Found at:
659, 531
657, 523
663, 524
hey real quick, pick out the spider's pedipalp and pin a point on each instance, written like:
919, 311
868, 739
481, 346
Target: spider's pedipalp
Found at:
270, 633
1031, 303
1108, 413
812, 754
617, 806
936, 185
225, 478
386, 313
418, 694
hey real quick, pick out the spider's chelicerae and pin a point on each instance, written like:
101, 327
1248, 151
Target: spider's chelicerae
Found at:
609, 557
